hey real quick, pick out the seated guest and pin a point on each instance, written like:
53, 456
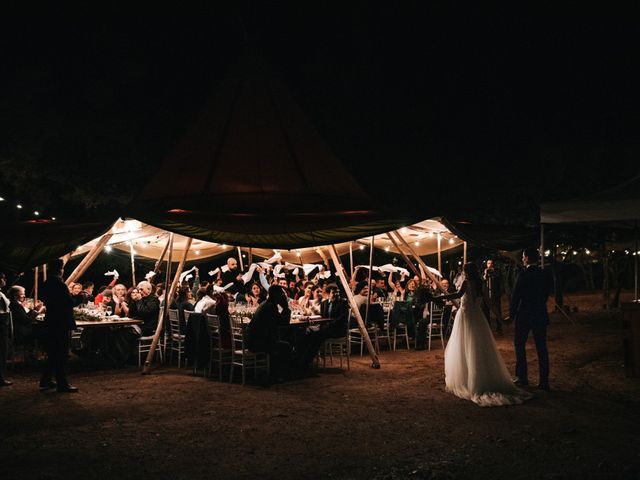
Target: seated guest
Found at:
107, 301
376, 315
76, 294
306, 300
206, 301
133, 295
262, 333
361, 293
87, 292
182, 304
337, 309
147, 308
120, 300
221, 309
255, 296
23, 316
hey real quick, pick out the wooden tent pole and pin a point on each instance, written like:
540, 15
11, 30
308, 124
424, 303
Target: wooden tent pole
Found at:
366, 312
464, 254
44, 272
439, 252
542, 245
156, 267
404, 255
432, 277
250, 256
167, 302
240, 260
133, 265
635, 266
89, 258
35, 285
356, 313
351, 258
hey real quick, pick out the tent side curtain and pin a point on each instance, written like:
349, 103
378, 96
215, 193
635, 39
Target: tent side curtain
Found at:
500, 237
28, 244
314, 231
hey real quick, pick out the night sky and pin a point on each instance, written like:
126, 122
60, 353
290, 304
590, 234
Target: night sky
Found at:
473, 114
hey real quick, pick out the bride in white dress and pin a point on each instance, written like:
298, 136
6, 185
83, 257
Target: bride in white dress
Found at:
474, 369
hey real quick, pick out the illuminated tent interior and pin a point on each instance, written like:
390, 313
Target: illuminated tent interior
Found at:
148, 241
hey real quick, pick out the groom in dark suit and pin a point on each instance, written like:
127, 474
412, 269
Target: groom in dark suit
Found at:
529, 309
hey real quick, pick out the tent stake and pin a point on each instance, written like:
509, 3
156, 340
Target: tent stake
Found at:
356, 313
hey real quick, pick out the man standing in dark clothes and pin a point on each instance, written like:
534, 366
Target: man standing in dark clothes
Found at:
492, 295
262, 332
58, 322
529, 309
4, 332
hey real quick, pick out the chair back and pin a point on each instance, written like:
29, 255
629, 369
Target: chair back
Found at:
174, 321
237, 330
214, 325
436, 312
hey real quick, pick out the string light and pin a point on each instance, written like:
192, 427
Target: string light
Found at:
36, 213
386, 249
108, 248
431, 234
361, 247
198, 252
451, 241
18, 206
224, 246
53, 218
417, 244
1, 199
404, 230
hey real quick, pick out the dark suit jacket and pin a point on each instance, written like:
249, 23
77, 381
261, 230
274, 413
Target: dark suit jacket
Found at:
148, 310
57, 299
340, 312
530, 294
22, 321
262, 332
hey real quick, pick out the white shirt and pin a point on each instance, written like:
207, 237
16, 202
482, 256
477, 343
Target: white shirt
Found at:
204, 303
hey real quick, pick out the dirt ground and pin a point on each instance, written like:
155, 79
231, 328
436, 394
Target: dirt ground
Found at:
396, 422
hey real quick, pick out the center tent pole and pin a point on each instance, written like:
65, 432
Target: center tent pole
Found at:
356, 313
464, 254
432, 277
167, 303
35, 285
542, 245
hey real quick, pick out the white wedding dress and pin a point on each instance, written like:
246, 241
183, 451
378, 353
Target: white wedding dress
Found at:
473, 367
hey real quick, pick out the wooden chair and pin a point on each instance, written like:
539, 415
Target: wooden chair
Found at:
240, 354
218, 355
175, 336
435, 329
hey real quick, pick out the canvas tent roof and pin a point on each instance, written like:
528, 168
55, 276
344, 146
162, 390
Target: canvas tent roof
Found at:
620, 204
253, 171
